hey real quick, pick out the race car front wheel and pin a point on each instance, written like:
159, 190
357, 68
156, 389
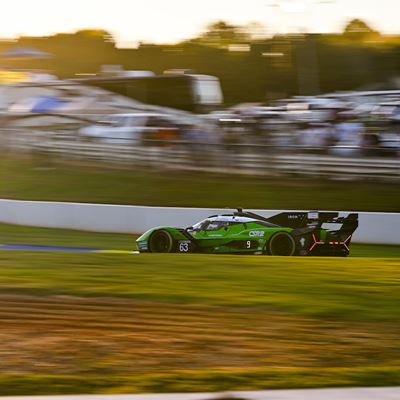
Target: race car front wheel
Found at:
161, 242
281, 244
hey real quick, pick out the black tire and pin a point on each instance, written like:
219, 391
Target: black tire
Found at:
281, 244
161, 242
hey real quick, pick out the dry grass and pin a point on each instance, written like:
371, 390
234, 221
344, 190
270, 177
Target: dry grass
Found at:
87, 323
75, 335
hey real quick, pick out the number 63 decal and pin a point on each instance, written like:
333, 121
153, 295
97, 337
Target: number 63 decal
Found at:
184, 247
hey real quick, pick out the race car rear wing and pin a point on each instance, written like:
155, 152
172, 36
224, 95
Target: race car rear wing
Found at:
303, 219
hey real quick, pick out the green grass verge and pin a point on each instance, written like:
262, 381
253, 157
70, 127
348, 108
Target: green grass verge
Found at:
15, 234
199, 381
374, 250
45, 179
352, 288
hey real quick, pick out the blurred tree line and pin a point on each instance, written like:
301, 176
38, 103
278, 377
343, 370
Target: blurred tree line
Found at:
251, 66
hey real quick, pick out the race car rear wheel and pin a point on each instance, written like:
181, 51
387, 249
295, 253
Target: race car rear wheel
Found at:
281, 244
161, 242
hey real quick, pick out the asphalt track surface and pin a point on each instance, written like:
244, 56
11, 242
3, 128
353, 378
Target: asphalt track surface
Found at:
26, 247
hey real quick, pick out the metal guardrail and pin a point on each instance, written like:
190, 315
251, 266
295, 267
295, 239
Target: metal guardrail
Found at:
245, 159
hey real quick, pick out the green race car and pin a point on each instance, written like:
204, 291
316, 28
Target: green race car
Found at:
284, 234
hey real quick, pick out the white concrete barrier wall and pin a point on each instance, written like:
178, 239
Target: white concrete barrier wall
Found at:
379, 228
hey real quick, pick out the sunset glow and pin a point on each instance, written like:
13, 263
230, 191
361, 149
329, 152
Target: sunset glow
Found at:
161, 21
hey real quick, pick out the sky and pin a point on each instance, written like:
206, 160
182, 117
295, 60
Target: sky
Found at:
169, 21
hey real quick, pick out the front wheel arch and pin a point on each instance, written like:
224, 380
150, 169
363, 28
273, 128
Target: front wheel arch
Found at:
161, 241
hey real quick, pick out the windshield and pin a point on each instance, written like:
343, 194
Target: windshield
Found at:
209, 225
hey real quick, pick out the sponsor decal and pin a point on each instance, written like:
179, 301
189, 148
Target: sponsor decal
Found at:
302, 241
256, 233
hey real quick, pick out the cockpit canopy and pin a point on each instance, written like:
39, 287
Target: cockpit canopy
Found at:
217, 222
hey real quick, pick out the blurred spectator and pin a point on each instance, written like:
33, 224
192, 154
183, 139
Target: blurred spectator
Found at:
348, 134
316, 135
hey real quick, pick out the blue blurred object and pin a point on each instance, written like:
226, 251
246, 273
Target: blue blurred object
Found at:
46, 104
25, 247
24, 52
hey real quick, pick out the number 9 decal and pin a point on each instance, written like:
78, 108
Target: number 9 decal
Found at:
248, 244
